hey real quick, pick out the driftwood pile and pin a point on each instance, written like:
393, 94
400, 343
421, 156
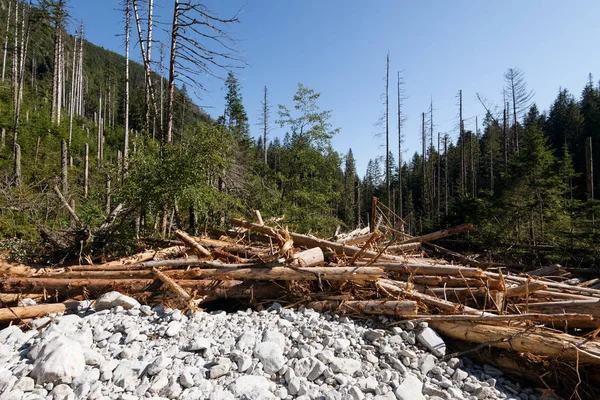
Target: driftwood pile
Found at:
549, 315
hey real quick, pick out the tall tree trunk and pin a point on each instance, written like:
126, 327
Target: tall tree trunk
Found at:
72, 99
424, 161
400, 199
100, 135
149, 57
6, 40
505, 137
15, 49
162, 94
146, 61
463, 179
172, 59
589, 168
446, 175
63, 167
107, 195
126, 116
265, 125
387, 131
17, 166
86, 171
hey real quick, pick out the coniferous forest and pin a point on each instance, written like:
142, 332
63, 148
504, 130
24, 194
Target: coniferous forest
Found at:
89, 135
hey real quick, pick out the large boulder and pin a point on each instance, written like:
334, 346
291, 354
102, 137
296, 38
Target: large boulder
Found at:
59, 359
113, 299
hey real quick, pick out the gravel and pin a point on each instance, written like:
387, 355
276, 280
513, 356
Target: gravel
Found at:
125, 351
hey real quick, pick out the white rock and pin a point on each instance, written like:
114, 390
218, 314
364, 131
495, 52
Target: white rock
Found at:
341, 345
7, 381
114, 299
219, 370
12, 336
63, 392
26, 302
92, 357
426, 363
410, 389
271, 356
59, 359
186, 380
251, 386
275, 337
173, 328
159, 384
432, 341
24, 384
347, 366
246, 340
158, 364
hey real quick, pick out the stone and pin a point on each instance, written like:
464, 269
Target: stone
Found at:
432, 341
186, 379
219, 370
114, 299
173, 328
459, 375
410, 389
58, 360
270, 355
368, 385
62, 392
251, 386
372, 335
275, 337
158, 364
341, 345
24, 384
7, 381
347, 366
426, 363
246, 340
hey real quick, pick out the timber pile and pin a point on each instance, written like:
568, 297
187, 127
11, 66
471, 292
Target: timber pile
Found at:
549, 314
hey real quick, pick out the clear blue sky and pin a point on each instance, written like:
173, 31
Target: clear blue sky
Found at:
339, 47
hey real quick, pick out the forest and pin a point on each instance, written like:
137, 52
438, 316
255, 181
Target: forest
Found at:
90, 136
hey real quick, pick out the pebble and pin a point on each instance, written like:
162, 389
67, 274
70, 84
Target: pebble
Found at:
127, 351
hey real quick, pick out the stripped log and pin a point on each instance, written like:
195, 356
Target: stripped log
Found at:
374, 236
439, 234
308, 258
526, 289
530, 317
173, 286
449, 281
542, 343
424, 269
590, 306
38, 310
398, 248
95, 287
274, 273
403, 289
404, 308
196, 247
555, 285
310, 242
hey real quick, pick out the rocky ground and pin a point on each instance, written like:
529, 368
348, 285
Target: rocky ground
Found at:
122, 350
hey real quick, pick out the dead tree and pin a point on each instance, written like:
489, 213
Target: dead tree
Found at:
516, 86
126, 116
86, 171
63, 167
400, 121
17, 166
18, 79
462, 146
199, 43
265, 122
589, 168
150, 98
57, 78
72, 97
6, 40
387, 129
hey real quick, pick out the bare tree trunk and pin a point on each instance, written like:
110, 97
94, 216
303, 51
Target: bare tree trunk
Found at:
6, 40
15, 48
446, 175
126, 123
72, 99
424, 161
37, 150
63, 167
265, 124
400, 199
505, 139
3, 138
463, 179
172, 58
439, 178
20, 75
100, 132
162, 94
17, 165
107, 195
80, 73
86, 171
589, 168
149, 57
387, 130
147, 70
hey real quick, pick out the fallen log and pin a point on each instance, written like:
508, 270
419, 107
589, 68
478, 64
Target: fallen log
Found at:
397, 248
404, 308
35, 311
550, 284
96, 287
543, 342
526, 289
310, 242
403, 289
451, 282
439, 234
419, 269
530, 317
173, 287
196, 247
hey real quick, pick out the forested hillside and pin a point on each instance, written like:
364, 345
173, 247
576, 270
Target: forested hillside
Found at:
110, 135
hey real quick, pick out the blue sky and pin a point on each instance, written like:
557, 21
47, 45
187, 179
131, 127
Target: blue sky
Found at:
338, 48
